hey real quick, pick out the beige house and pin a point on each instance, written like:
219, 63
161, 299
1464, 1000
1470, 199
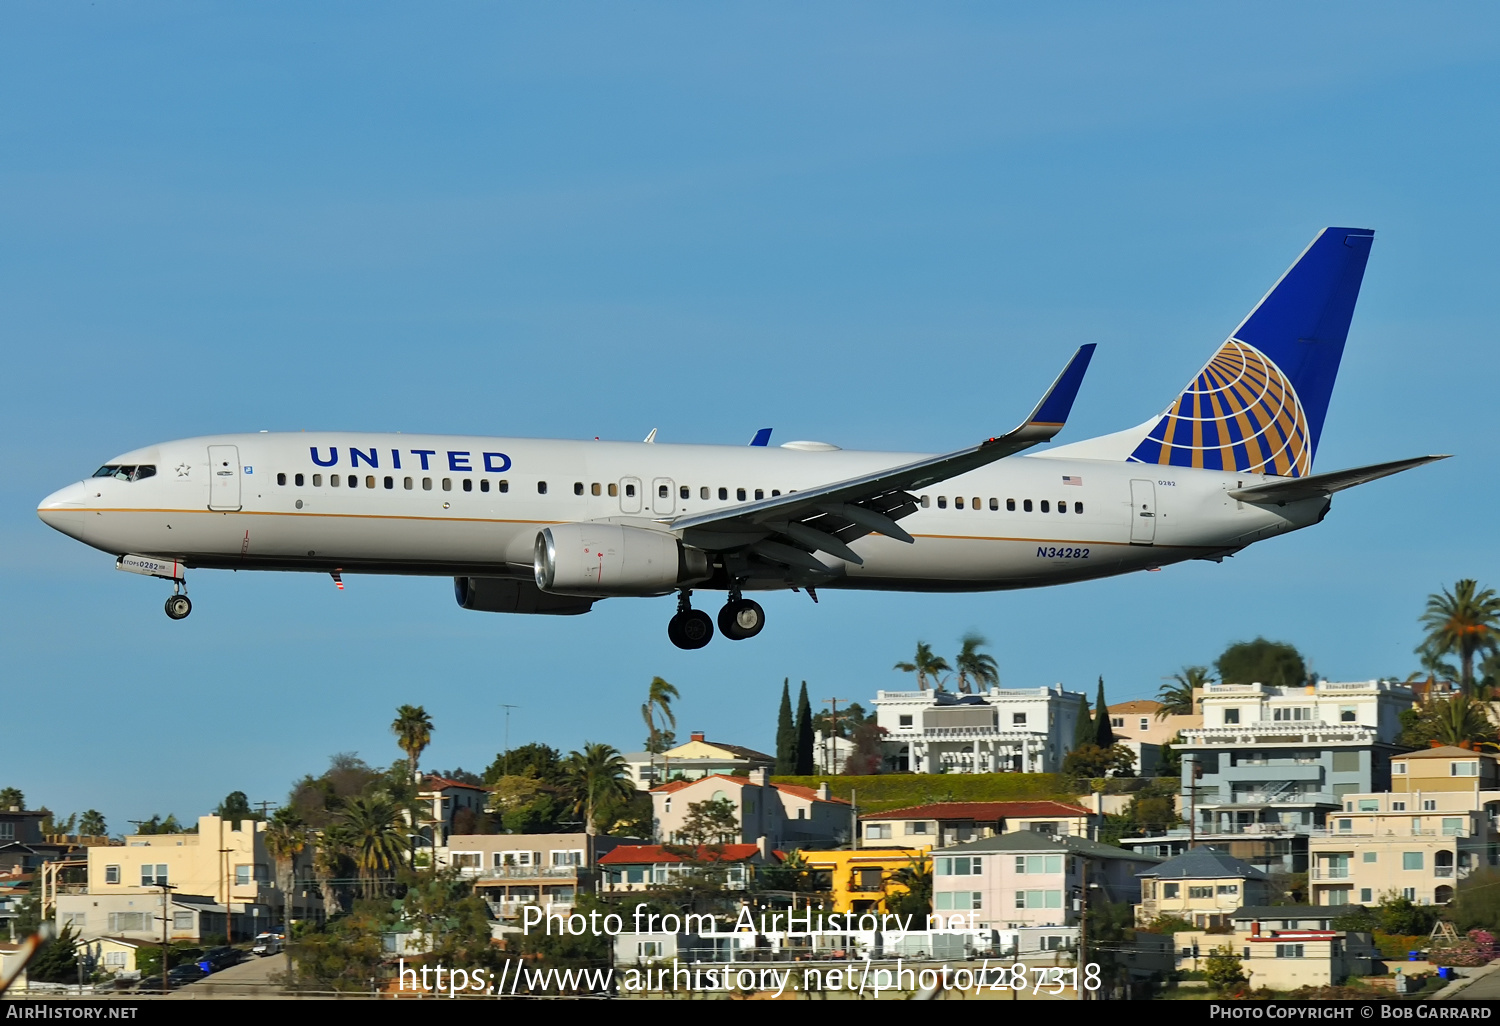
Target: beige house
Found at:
511, 871
1283, 947
940, 824
694, 760
1138, 721
448, 806
639, 867
1445, 769
222, 869
1204, 886
786, 815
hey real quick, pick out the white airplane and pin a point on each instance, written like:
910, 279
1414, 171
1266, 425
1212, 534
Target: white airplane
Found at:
533, 526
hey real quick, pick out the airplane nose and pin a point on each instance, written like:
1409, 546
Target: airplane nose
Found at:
65, 509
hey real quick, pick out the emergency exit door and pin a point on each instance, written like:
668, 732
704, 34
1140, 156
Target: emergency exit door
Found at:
1142, 512
224, 477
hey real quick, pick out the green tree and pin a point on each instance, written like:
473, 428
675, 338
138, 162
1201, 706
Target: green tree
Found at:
57, 962
235, 808
157, 825
1223, 970
527, 805
285, 839
1464, 622
1104, 734
1262, 662
1092, 761
11, 798
346, 955
1477, 902
786, 732
377, 837
599, 780
1169, 762
916, 899
661, 721
92, 824
413, 730
713, 821
804, 733
972, 664
443, 908
537, 760
1176, 695
317, 800
1083, 728
925, 665
1457, 720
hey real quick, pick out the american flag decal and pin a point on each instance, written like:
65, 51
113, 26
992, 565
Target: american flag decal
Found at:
1072, 480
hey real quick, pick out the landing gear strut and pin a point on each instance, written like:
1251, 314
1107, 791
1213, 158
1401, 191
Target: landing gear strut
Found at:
690, 628
741, 618
179, 605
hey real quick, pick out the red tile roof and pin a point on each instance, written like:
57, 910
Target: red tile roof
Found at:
678, 785
808, 793
436, 783
982, 811
633, 854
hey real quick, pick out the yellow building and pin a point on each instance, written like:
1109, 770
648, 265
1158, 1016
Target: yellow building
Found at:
1283, 947
1203, 886
860, 879
1445, 769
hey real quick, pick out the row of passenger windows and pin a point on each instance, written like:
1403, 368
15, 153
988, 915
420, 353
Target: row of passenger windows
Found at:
389, 482
1010, 504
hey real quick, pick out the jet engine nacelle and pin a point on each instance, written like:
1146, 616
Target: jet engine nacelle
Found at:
610, 559
508, 595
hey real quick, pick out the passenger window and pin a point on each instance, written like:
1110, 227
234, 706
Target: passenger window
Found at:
504, 485
661, 491
333, 480
1062, 507
926, 502
739, 493
614, 489
994, 504
703, 492
353, 481
775, 492
723, 493
484, 484
760, 493
577, 487
390, 482
685, 492
541, 487
369, 480
1077, 507
447, 484
1010, 505
406, 483
630, 491
958, 502
281, 479
594, 488
977, 503
426, 484
942, 502
317, 480
1045, 508
298, 480
468, 484
1026, 505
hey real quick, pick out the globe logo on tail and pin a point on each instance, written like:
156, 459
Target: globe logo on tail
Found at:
1240, 413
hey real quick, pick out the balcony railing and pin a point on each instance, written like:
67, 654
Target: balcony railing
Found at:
1445, 872
1330, 873
525, 873
991, 733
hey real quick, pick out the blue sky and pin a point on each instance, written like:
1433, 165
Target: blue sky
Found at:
881, 225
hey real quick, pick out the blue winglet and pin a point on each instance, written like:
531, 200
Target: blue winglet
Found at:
762, 437
1055, 406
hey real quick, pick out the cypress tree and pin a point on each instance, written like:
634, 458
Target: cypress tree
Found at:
804, 733
786, 733
1104, 736
1083, 730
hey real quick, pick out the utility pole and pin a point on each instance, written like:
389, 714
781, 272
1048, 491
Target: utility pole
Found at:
166, 921
828, 752
507, 709
224, 875
1083, 927
265, 807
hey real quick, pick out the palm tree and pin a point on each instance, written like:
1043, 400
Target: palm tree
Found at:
1464, 622
925, 664
285, 840
330, 849
972, 663
658, 708
1176, 696
597, 777
92, 824
377, 836
413, 730
1461, 720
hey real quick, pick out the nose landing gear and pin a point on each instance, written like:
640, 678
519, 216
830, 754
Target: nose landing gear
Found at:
179, 606
690, 628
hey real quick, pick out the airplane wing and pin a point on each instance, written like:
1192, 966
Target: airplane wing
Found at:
787, 529
1322, 485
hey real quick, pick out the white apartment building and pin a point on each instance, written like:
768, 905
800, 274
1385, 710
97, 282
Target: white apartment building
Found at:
1003, 730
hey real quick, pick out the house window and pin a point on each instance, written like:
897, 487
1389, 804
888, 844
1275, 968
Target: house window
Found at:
1039, 864
111, 874
1409, 893
1429, 805
1370, 856
1366, 895
1348, 714
120, 922
1297, 713
1145, 724
1039, 899
1346, 825
960, 865
1452, 826
153, 876
1463, 769
115, 958
878, 831
568, 858
1231, 717
468, 860
916, 826
1398, 768
1018, 719
867, 880
1170, 890
1411, 860
648, 949
1228, 889
1369, 805
182, 921
1345, 762
1289, 950
1398, 806
904, 721
7, 831
1200, 892
1117, 721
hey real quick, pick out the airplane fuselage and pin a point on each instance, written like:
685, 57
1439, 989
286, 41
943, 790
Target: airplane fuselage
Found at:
463, 505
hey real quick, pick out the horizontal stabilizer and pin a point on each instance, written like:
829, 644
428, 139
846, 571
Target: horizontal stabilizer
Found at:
1322, 485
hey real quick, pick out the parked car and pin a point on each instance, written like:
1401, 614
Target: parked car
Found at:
182, 975
267, 944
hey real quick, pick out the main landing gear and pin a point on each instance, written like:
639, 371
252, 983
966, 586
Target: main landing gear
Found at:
691, 628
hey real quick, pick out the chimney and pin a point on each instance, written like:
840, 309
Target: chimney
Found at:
764, 844
697, 735
760, 775
823, 790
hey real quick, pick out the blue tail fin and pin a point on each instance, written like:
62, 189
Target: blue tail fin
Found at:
1259, 405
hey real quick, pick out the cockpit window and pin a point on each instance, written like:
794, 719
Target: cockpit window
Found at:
125, 473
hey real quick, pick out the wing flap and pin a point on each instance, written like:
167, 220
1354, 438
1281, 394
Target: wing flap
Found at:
1323, 485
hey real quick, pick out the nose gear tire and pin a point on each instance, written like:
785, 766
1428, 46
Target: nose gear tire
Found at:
179, 606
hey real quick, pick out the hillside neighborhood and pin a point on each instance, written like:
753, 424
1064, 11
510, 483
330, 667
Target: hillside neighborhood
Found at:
1255, 829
